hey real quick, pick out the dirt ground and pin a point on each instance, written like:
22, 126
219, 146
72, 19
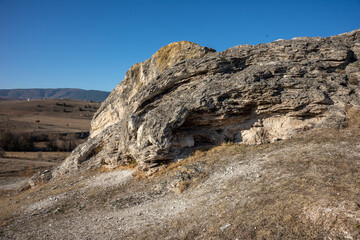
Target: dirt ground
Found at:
17, 167
303, 188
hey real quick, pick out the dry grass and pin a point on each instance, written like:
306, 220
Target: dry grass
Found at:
353, 117
106, 169
306, 190
209, 156
14, 203
303, 188
22, 116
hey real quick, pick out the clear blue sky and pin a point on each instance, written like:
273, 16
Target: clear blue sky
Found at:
90, 44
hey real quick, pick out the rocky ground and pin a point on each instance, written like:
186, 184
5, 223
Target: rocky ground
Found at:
303, 188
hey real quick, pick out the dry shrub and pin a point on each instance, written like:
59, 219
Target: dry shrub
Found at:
2, 152
10, 141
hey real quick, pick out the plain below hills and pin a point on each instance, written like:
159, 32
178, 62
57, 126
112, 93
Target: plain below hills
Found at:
54, 93
36, 134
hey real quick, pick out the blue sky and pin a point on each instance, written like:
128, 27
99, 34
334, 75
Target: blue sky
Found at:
90, 44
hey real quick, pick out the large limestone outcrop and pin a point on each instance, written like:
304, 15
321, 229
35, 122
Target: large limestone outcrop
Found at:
187, 97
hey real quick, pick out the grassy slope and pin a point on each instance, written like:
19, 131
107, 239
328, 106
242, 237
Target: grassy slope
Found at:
303, 188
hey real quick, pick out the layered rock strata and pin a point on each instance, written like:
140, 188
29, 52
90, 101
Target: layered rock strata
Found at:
187, 97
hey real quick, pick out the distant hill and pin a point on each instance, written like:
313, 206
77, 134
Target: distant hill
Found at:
53, 93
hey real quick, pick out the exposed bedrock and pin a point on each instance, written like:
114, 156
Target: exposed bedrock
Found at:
187, 97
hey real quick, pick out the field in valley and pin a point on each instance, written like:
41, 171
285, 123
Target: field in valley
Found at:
51, 129
47, 116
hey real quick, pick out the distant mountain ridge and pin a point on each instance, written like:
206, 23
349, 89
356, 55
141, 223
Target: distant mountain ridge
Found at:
53, 93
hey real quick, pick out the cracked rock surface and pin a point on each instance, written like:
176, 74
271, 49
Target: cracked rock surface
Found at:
187, 97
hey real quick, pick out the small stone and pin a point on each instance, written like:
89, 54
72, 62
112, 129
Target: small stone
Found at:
225, 226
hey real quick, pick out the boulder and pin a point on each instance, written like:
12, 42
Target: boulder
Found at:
187, 97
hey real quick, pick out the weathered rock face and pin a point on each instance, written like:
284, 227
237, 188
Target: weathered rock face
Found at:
187, 97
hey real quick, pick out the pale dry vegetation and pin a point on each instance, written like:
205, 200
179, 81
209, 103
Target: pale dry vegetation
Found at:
306, 188
303, 188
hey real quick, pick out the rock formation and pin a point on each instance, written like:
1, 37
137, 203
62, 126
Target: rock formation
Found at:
187, 97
